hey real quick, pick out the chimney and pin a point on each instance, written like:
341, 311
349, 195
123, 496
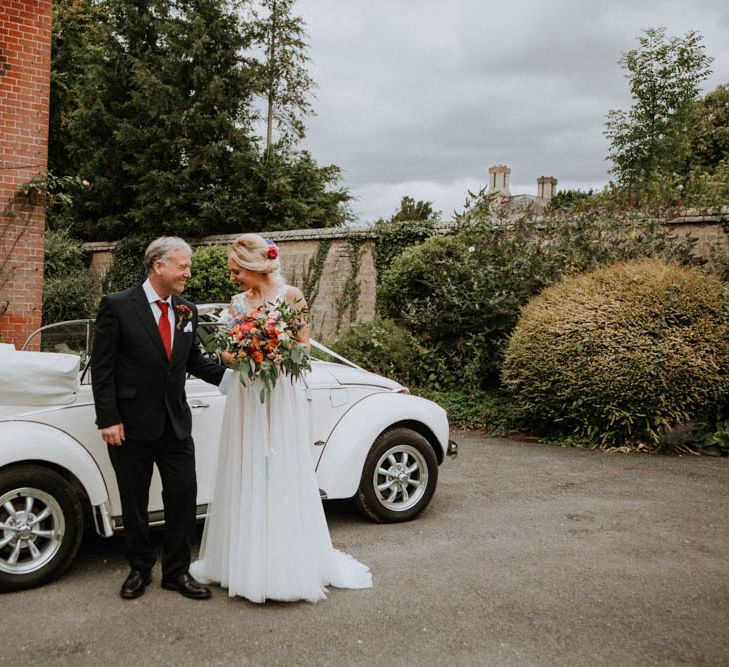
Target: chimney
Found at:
546, 187
499, 180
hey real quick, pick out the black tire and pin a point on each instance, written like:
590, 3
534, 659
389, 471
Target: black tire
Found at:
36, 546
406, 495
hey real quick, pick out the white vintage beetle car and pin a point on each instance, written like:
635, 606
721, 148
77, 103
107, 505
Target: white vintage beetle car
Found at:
371, 440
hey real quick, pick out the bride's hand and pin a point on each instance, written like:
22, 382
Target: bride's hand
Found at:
305, 345
226, 358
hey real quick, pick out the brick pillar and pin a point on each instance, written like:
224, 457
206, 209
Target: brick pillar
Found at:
25, 64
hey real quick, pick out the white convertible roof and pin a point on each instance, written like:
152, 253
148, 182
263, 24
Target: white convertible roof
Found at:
38, 378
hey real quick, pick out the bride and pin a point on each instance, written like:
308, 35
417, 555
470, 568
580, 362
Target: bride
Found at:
266, 536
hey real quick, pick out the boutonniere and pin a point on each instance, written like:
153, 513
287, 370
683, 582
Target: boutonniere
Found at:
182, 315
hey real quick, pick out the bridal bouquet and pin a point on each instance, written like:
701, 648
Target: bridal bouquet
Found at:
264, 344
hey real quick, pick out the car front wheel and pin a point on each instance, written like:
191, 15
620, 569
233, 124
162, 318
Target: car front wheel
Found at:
41, 525
398, 478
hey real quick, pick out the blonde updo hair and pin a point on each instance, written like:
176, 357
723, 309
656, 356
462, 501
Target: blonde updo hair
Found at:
250, 251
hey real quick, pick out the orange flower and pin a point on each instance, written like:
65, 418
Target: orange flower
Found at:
258, 356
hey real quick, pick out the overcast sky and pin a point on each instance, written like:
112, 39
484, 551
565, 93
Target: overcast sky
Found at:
419, 97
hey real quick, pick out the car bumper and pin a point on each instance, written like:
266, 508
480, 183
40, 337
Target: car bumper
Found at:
103, 523
452, 449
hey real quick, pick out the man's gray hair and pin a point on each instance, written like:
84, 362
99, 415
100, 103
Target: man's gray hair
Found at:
161, 248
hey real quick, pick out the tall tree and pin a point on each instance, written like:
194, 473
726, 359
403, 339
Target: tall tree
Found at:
293, 192
162, 128
154, 104
77, 25
281, 74
414, 210
652, 137
710, 138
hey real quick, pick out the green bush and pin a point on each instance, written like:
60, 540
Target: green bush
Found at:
383, 347
63, 254
210, 281
127, 263
570, 199
394, 235
470, 407
462, 293
67, 293
622, 354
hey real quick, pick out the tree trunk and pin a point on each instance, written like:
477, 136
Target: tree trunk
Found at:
271, 79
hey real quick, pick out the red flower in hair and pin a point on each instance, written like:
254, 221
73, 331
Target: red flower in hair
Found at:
272, 250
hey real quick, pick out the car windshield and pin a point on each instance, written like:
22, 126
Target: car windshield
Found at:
71, 337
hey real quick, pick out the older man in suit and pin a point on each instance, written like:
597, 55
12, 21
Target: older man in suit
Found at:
144, 346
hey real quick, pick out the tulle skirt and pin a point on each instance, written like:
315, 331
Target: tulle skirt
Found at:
266, 535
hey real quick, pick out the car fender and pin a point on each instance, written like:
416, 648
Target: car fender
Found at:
340, 466
24, 441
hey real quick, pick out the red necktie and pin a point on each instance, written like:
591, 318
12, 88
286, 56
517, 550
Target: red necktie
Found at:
164, 328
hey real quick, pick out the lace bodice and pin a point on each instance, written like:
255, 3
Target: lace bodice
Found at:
239, 304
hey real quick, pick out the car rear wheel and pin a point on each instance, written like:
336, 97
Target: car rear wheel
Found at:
398, 478
41, 525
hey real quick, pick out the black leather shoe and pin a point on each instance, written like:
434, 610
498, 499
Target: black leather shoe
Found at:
186, 585
135, 584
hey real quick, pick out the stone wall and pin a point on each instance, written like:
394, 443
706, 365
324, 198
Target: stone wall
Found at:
331, 309
25, 57
338, 297
710, 227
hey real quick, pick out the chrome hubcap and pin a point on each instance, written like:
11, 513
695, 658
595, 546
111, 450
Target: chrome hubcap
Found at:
401, 478
31, 530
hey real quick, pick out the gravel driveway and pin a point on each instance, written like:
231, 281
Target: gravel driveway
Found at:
529, 554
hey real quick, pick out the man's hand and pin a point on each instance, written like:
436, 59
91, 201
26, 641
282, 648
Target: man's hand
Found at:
113, 435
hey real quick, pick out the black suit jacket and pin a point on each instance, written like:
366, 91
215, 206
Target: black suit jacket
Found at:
132, 380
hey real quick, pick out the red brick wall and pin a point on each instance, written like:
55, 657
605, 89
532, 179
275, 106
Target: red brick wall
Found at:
25, 63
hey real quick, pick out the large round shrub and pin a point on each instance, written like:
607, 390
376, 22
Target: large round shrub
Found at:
622, 353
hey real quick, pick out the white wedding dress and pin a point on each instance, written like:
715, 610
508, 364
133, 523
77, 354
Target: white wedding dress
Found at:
266, 536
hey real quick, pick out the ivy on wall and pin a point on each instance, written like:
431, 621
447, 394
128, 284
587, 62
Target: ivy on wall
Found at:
12, 230
16, 215
311, 278
348, 300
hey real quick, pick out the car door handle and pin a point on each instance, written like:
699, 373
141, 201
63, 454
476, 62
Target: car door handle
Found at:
198, 404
